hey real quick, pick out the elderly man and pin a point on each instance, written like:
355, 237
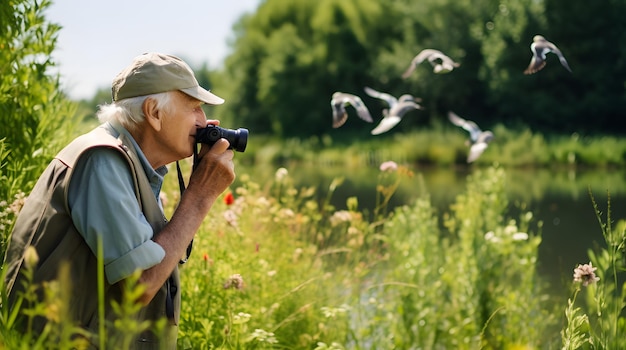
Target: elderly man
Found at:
101, 194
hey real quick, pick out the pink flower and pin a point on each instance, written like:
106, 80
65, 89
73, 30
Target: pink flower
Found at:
585, 274
389, 165
234, 282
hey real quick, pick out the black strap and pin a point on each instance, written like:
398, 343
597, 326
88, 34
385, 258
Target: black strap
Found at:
181, 185
171, 290
170, 285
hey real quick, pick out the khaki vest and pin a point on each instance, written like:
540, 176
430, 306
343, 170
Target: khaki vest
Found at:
45, 223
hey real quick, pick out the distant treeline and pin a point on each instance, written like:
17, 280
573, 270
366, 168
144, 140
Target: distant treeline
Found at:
289, 57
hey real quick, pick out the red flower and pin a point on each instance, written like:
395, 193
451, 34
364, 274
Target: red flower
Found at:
229, 198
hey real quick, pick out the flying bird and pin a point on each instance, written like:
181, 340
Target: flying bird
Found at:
540, 47
398, 107
440, 62
339, 102
478, 140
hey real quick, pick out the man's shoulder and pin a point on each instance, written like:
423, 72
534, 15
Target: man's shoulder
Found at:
100, 137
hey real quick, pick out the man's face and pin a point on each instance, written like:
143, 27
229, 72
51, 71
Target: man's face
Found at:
180, 124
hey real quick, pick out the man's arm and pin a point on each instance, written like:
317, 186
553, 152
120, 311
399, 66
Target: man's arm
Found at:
214, 173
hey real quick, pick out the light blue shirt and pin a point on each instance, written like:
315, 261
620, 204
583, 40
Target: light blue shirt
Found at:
103, 204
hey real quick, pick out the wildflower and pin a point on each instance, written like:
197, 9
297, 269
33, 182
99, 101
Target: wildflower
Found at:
389, 166
235, 281
491, 237
281, 174
285, 213
229, 199
230, 217
510, 229
333, 312
18, 203
241, 318
520, 236
264, 336
339, 217
585, 274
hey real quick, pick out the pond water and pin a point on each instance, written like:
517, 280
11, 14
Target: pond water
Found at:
559, 198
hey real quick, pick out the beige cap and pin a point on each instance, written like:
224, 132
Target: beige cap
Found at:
152, 73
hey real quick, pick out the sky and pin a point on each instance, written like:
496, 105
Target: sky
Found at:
99, 38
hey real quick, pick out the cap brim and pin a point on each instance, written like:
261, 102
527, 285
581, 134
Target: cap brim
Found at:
203, 95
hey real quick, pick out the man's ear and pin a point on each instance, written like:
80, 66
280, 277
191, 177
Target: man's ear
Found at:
152, 114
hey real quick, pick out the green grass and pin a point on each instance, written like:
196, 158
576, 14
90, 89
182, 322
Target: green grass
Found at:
282, 268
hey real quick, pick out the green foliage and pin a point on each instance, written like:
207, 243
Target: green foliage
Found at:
599, 322
468, 282
443, 146
275, 266
289, 57
313, 274
20, 326
35, 118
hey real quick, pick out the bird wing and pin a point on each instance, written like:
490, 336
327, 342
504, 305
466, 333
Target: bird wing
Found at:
403, 107
386, 124
537, 61
339, 111
467, 125
419, 58
556, 51
475, 151
391, 100
340, 115
408, 97
361, 109
480, 145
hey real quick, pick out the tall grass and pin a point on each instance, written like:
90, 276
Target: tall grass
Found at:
598, 321
319, 277
275, 266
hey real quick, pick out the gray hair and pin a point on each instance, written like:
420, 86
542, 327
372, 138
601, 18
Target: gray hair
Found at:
128, 111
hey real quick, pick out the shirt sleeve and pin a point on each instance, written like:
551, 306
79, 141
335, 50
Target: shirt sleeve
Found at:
103, 206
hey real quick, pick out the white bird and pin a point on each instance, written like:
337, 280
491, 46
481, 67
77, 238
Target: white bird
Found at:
440, 62
398, 107
339, 102
478, 140
540, 47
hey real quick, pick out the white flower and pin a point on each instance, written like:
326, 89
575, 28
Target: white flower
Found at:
520, 236
281, 174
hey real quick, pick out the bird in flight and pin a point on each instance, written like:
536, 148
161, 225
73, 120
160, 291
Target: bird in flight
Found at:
398, 107
340, 100
478, 140
440, 62
540, 47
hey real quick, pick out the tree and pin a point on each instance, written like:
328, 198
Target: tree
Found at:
291, 56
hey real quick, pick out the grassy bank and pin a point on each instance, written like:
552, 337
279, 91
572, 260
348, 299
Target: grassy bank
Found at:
274, 269
443, 146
